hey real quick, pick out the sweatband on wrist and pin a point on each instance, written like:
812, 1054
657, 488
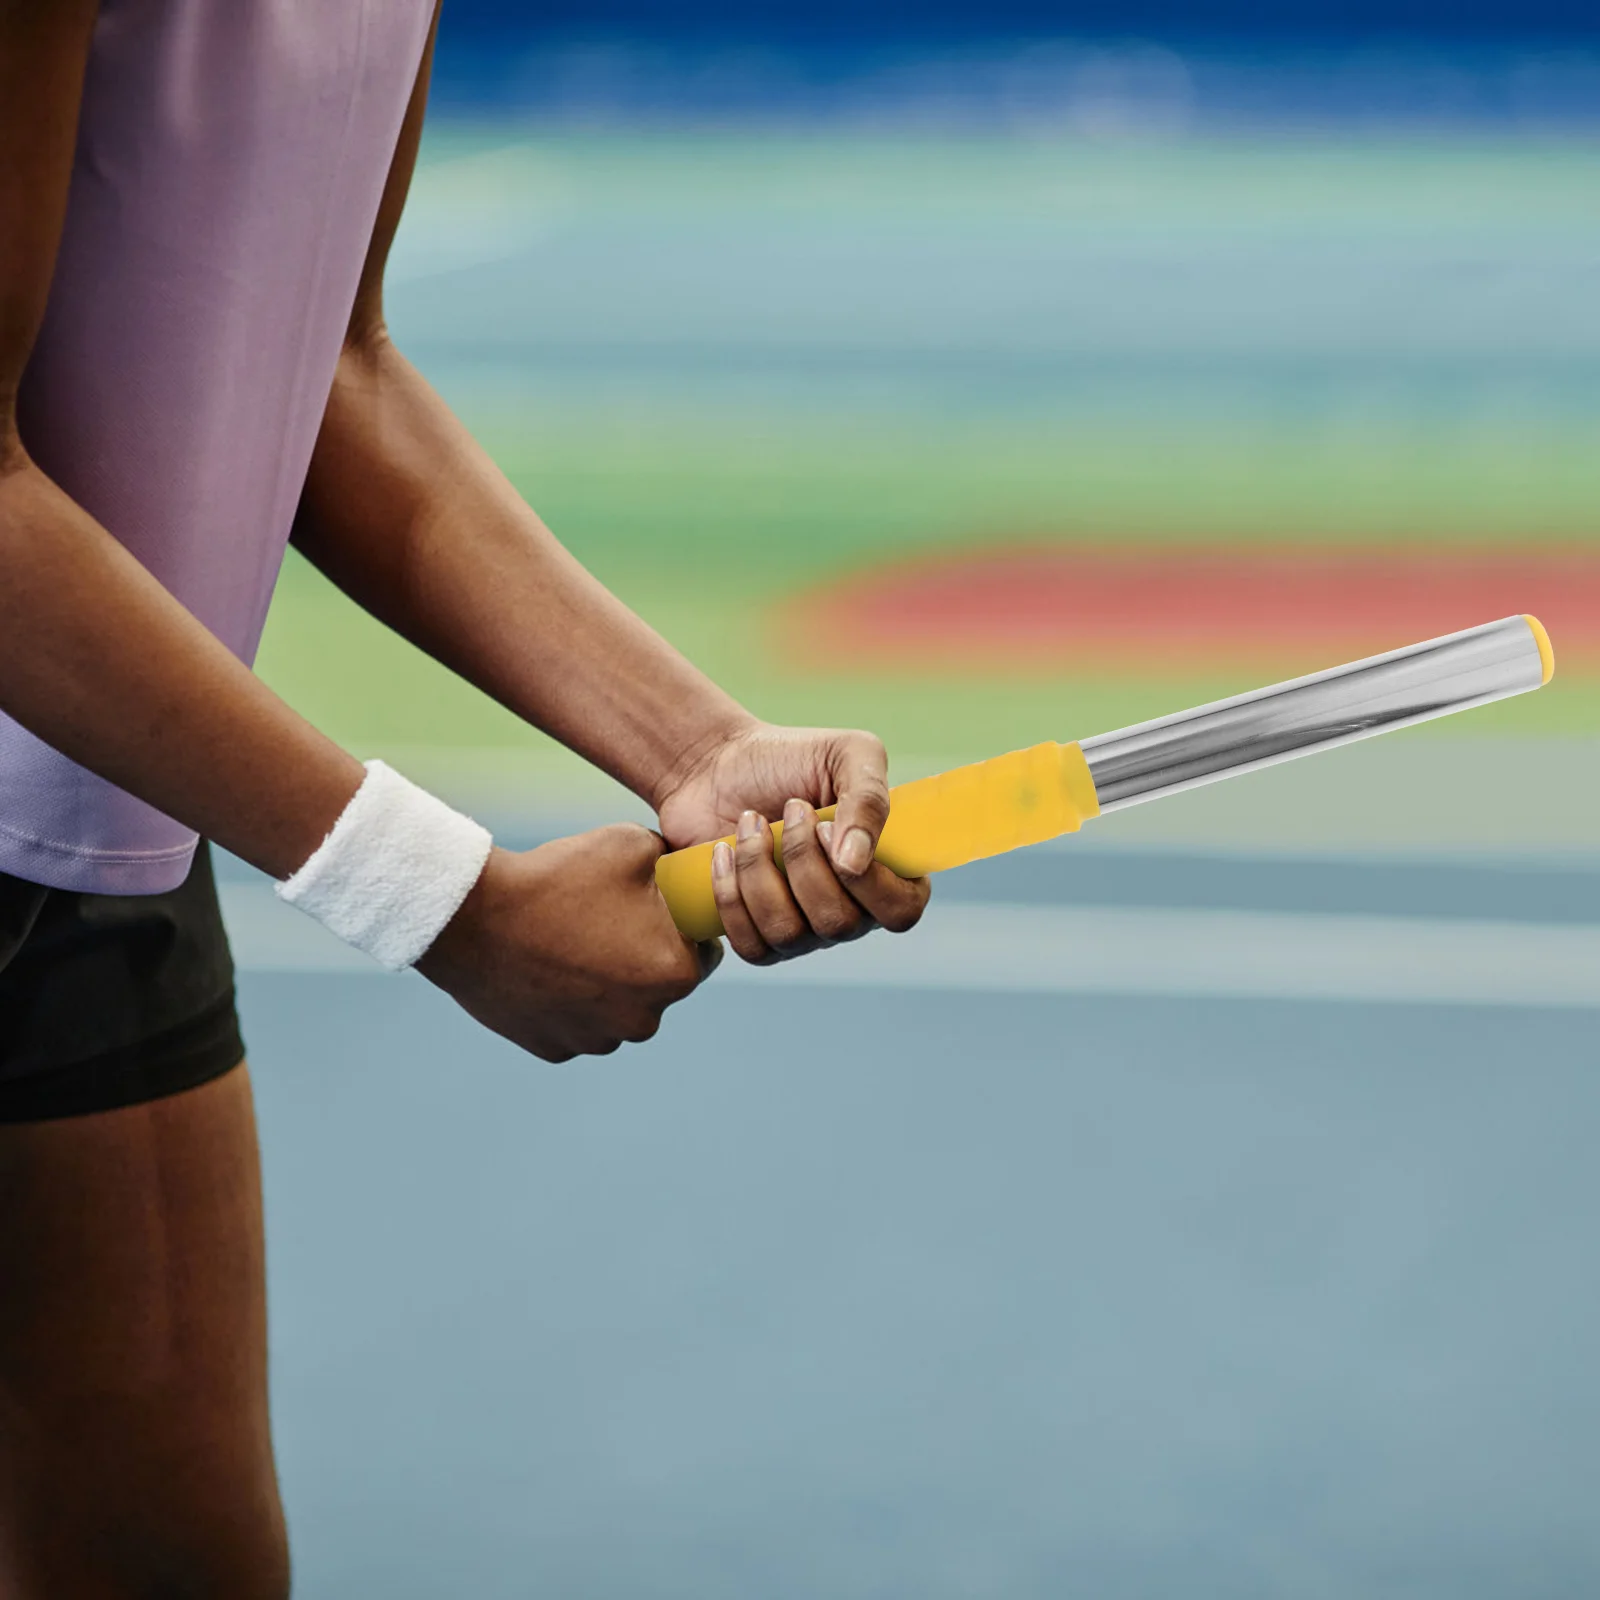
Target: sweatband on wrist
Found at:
393, 871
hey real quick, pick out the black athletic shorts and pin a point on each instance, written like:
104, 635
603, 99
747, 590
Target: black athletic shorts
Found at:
107, 1000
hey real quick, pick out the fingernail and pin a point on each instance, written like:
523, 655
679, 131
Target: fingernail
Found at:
749, 825
825, 834
855, 853
794, 813
721, 859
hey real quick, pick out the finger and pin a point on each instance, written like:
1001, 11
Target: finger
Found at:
741, 931
556, 1054
832, 915
642, 1028
762, 887
860, 773
895, 903
569, 1044
709, 953
675, 969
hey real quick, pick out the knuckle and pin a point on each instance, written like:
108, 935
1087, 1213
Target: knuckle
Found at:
676, 977
785, 931
873, 804
726, 893
836, 923
902, 916
680, 987
750, 947
799, 844
754, 852
644, 1029
864, 744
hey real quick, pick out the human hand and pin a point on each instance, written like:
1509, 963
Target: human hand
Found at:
569, 949
830, 888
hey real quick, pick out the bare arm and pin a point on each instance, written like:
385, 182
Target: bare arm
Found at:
96, 658
409, 516
566, 949
405, 511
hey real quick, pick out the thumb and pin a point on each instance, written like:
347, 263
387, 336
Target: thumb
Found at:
860, 772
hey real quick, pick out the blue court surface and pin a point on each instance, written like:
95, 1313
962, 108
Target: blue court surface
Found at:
962, 1286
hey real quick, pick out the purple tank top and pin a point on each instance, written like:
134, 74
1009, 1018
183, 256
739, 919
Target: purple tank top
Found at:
231, 155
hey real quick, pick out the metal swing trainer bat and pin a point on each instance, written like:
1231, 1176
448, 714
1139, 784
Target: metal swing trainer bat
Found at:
1032, 795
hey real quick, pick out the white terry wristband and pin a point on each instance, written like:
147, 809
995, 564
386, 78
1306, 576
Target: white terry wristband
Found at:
395, 869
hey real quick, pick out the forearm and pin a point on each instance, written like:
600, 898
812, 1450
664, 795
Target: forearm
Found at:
99, 661
409, 516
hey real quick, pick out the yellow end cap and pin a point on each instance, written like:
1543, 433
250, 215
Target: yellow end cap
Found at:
1547, 655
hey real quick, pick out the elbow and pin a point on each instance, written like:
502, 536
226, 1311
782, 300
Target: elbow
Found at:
14, 457
367, 338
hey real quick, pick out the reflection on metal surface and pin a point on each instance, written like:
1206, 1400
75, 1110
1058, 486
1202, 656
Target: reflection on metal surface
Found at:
1318, 712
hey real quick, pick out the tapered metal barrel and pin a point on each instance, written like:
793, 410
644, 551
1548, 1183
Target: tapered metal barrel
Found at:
1315, 713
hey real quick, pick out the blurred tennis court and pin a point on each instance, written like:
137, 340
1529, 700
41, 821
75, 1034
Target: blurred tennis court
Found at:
1201, 1206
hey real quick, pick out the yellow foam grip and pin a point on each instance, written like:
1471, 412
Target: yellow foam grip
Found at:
934, 823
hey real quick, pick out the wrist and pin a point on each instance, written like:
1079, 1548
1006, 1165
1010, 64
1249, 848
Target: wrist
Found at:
462, 943
721, 726
394, 870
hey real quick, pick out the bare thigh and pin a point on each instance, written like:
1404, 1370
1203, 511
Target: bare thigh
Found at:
135, 1454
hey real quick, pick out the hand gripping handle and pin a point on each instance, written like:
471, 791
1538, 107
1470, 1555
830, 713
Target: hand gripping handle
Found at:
934, 823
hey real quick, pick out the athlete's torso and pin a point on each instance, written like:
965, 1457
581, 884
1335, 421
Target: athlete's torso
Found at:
230, 160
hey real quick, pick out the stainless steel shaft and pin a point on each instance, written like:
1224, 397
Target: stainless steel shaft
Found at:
1328, 708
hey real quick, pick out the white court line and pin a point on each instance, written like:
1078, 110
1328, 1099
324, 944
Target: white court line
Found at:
1011, 949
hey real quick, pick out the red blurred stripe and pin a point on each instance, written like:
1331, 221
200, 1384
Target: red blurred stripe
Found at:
1187, 608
